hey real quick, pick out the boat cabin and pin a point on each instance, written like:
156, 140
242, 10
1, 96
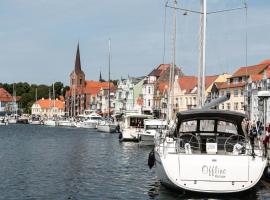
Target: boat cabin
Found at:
136, 120
211, 132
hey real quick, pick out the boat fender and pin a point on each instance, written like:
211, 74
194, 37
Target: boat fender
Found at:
266, 173
151, 159
120, 137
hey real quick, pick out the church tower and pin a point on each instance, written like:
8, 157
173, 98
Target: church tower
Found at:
77, 76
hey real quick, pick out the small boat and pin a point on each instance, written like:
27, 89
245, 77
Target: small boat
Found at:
66, 122
152, 127
89, 121
3, 121
12, 119
132, 125
107, 127
35, 120
51, 122
209, 152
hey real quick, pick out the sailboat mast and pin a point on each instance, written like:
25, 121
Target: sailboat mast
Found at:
201, 66
109, 78
14, 100
172, 75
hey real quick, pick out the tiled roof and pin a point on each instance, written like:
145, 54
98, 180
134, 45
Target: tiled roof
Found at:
159, 70
258, 77
188, 83
91, 87
5, 96
247, 71
231, 85
49, 103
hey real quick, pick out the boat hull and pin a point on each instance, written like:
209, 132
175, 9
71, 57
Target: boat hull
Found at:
146, 139
211, 173
130, 135
107, 128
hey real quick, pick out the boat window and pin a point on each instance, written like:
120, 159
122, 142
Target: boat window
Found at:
137, 122
207, 125
155, 127
96, 118
226, 127
189, 126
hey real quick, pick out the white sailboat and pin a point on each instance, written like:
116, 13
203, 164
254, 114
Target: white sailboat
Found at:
107, 125
51, 121
209, 151
35, 119
12, 119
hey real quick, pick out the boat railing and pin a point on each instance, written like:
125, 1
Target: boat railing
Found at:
191, 144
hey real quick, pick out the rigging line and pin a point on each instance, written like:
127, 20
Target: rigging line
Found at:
246, 59
183, 9
213, 12
164, 33
227, 10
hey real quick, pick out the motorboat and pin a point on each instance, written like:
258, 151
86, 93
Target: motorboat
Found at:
132, 125
107, 126
151, 128
209, 151
89, 121
3, 121
51, 122
66, 122
35, 120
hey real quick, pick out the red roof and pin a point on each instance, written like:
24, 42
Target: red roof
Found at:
159, 70
91, 87
247, 71
49, 103
226, 85
189, 82
258, 77
5, 96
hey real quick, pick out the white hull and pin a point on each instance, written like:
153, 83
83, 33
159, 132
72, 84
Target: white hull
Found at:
12, 121
91, 125
146, 139
66, 123
50, 123
209, 173
35, 122
3, 123
130, 134
107, 128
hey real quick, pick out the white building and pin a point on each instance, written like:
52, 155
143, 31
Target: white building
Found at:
48, 107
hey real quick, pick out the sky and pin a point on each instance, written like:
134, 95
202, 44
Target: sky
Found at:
38, 38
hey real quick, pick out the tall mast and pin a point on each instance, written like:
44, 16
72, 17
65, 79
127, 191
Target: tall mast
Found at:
201, 66
172, 75
14, 99
53, 96
109, 76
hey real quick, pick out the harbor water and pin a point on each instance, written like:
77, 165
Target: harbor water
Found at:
39, 162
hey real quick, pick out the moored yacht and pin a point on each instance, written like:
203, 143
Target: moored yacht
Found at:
209, 152
89, 121
152, 127
132, 125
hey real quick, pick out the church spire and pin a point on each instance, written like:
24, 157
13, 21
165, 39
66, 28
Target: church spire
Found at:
100, 77
78, 60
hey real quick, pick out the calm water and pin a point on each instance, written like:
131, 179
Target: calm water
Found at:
39, 162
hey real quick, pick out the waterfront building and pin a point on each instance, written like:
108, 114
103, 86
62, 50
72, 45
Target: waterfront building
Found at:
236, 86
82, 94
128, 95
7, 103
48, 108
103, 101
256, 83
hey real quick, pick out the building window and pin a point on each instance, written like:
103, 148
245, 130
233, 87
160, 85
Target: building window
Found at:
242, 105
149, 103
80, 81
235, 80
186, 101
227, 91
228, 106
242, 92
222, 106
235, 92
235, 106
149, 90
